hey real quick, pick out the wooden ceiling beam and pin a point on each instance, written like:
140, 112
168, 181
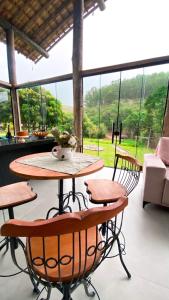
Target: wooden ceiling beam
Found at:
5, 85
7, 25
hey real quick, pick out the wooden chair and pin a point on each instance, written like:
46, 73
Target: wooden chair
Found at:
125, 178
63, 251
14, 195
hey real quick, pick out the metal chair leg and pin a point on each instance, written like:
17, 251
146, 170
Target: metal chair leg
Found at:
86, 285
48, 294
66, 292
121, 259
5, 243
34, 283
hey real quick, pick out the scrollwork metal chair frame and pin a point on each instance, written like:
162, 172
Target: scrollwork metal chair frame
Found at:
64, 251
125, 178
11, 196
126, 172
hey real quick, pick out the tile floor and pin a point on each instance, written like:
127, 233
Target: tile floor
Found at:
147, 251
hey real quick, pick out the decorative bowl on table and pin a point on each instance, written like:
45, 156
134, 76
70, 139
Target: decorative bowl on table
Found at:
40, 134
22, 134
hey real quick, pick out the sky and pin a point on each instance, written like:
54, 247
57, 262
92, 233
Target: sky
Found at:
127, 30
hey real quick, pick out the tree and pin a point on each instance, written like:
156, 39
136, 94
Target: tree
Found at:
39, 108
6, 111
130, 89
67, 122
154, 108
101, 105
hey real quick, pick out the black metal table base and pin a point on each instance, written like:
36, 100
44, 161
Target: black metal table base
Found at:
69, 200
66, 200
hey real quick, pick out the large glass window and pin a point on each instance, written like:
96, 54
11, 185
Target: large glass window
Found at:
126, 31
123, 111
127, 109
91, 119
154, 94
58, 63
47, 106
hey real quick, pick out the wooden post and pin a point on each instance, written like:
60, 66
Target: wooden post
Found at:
77, 68
166, 117
12, 77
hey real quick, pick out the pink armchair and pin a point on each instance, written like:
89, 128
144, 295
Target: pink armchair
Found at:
156, 175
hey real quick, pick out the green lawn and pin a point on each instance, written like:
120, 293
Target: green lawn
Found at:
107, 149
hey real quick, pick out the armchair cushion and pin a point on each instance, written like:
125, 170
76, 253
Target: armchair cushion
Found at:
165, 200
162, 150
154, 172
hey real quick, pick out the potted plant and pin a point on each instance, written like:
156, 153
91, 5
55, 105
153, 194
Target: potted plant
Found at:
67, 143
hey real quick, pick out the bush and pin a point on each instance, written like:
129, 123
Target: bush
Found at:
102, 131
91, 130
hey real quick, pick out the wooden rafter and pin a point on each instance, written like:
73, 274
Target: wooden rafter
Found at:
59, 27
33, 19
19, 11
7, 25
51, 17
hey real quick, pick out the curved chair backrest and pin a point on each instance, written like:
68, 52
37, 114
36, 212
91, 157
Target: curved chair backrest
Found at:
63, 224
127, 171
68, 247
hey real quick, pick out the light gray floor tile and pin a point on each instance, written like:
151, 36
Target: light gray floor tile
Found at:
147, 250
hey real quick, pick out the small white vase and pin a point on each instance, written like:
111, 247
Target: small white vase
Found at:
62, 153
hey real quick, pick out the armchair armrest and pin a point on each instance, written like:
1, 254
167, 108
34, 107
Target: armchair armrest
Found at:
154, 172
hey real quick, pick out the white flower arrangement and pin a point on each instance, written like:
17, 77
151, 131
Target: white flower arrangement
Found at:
64, 139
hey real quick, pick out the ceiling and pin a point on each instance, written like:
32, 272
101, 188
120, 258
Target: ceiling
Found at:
39, 23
